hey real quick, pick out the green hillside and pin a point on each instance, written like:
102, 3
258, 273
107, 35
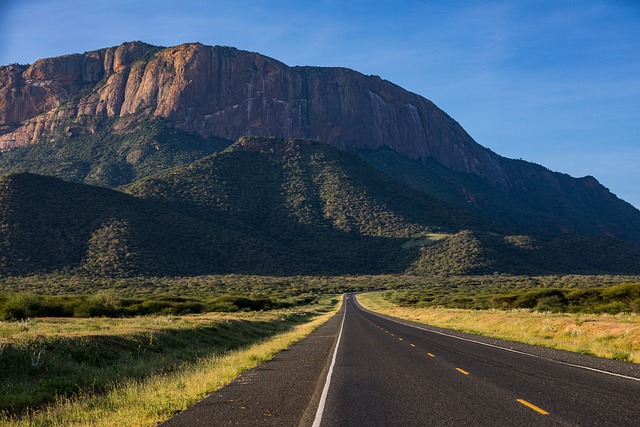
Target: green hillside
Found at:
277, 207
537, 200
109, 152
50, 225
473, 252
329, 206
270, 183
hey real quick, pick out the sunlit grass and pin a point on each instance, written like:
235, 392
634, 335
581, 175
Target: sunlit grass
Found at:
50, 327
603, 335
154, 398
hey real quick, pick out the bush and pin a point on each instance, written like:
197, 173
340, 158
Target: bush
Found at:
531, 299
20, 306
103, 303
614, 307
552, 303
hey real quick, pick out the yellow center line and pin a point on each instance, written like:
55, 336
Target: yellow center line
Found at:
412, 345
462, 371
532, 406
400, 339
431, 355
392, 335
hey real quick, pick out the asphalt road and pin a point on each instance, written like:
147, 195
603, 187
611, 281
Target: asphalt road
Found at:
388, 373
281, 392
365, 369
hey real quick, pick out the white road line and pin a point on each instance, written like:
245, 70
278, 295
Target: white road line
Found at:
497, 346
325, 390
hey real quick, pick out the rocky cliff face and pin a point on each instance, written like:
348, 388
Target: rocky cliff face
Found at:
225, 92
205, 91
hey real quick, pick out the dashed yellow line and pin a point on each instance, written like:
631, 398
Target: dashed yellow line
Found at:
532, 406
462, 371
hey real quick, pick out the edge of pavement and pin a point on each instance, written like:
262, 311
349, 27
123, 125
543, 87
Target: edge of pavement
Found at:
583, 361
283, 391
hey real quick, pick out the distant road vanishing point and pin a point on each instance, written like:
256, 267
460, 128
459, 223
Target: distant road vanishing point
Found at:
365, 369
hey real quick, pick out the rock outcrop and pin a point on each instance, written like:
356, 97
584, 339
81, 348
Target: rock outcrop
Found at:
225, 92
71, 102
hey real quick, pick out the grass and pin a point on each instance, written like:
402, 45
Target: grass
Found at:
87, 364
604, 335
167, 386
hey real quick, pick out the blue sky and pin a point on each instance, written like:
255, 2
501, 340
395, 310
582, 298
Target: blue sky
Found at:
556, 82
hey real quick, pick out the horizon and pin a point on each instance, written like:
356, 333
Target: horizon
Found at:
553, 84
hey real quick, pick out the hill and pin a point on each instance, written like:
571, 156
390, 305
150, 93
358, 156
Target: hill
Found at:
47, 224
272, 206
114, 115
541, 202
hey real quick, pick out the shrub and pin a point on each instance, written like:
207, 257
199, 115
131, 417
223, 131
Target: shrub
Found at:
530, 299
103, 303
20, 306
552, 303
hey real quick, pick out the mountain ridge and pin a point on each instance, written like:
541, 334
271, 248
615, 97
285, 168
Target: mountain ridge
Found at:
54, 115
225, 92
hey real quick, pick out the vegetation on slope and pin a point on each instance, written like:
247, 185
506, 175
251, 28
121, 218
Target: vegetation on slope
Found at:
478, 252
326, 205
267, 181
275, 207
109, 152
51, 225
536, 201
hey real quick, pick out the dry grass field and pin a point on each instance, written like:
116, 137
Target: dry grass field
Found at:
604, 335
163, 364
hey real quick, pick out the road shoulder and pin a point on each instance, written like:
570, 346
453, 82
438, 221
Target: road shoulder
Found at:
284, 391
561, 356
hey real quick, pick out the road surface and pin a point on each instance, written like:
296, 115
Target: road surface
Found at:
377, 371
388, 373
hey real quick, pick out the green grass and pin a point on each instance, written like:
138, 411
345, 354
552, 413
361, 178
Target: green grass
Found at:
69, 360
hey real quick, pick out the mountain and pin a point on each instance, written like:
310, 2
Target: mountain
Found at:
271, 206
541, 202
229, 93
115, 115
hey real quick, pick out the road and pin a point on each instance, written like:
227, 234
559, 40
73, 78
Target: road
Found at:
365, 369
387, 373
